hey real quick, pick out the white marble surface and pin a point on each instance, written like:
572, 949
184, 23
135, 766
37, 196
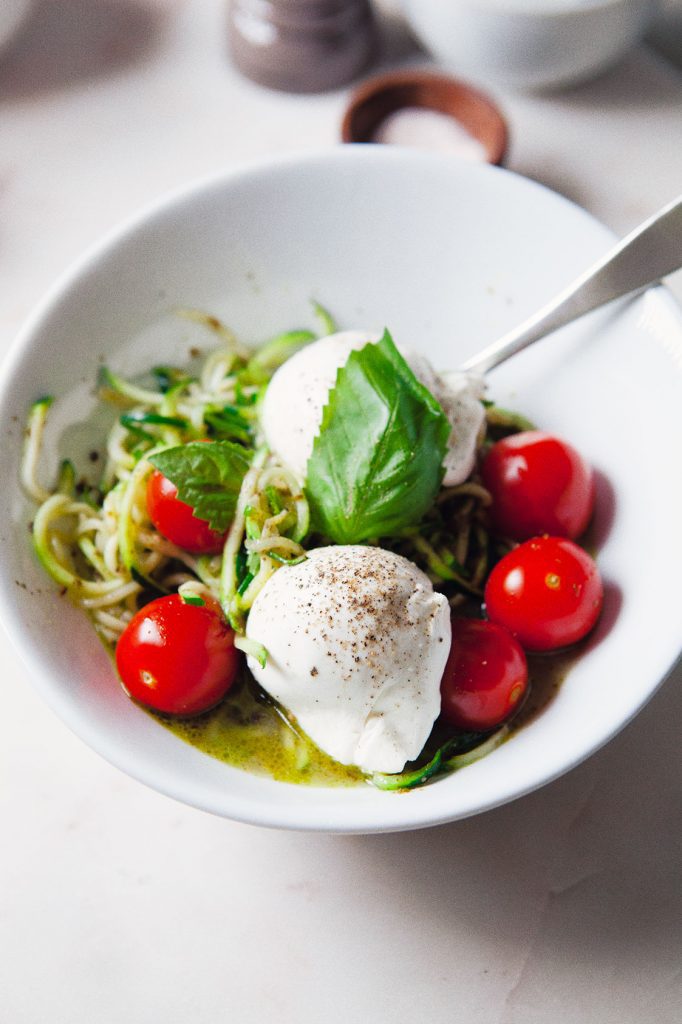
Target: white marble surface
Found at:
119, 904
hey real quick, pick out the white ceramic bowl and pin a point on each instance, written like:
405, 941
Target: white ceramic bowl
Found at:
529, 44
448, 256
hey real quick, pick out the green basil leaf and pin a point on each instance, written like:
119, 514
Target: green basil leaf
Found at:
208, 477
377, 462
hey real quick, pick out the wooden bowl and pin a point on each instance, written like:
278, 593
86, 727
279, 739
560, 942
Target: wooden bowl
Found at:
383, 95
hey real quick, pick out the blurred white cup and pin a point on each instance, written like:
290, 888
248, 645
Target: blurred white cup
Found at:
529, 44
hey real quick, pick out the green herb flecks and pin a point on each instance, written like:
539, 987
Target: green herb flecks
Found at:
228, 423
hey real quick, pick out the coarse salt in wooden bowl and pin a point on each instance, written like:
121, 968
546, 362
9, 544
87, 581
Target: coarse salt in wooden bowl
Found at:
428, 111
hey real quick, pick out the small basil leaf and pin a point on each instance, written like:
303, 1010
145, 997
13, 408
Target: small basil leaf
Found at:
208, 477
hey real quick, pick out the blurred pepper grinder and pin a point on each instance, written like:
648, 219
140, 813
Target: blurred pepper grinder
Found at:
302, 45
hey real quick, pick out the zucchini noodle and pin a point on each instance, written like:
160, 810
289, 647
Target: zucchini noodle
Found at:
108, 555
105, 553
32, 444
452, 544
97, 542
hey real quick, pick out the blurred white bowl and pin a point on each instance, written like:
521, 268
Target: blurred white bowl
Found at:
13, 13
448, 256
529, 44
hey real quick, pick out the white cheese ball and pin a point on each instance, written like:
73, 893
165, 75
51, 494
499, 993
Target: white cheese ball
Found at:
297, 394
357, 642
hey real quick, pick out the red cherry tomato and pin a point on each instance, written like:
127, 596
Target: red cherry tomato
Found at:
485, 677
175, 520
547, 592
176, 657
539, 484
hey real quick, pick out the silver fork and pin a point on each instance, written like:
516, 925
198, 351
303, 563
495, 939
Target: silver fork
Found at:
641, 259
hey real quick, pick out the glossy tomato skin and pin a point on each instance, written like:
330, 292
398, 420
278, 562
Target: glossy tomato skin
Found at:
175, 520
485, 678
177, 658
539, 484
547, 592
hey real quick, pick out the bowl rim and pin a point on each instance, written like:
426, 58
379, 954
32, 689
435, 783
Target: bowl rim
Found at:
526, 11
299, 817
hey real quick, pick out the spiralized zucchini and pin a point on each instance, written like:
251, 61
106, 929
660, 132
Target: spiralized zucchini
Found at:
96, 540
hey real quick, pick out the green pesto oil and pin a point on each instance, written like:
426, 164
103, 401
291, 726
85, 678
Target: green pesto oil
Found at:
248, 732
546, 674
251, 733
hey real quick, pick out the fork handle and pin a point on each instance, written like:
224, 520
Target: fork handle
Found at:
646, 255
